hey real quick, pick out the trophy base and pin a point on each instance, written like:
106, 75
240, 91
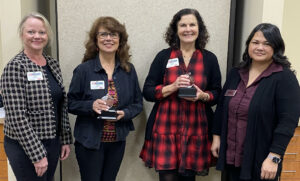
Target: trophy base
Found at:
110, 114
187, 92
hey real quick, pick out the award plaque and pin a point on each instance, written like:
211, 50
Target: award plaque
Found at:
189, 91
111, 113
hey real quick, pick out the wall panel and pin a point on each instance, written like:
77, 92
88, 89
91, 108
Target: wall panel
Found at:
146, 22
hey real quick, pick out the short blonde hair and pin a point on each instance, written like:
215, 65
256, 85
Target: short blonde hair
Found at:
43, 19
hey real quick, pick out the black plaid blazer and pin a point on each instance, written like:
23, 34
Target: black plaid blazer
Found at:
28, 105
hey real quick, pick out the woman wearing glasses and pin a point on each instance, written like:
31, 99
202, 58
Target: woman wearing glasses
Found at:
105, 72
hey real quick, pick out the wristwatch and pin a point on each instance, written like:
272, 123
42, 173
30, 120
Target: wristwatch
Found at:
274, 159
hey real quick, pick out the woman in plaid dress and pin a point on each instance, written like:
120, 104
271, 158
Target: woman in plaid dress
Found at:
177, 142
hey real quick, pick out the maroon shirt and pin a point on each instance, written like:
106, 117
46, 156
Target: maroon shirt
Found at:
238, 114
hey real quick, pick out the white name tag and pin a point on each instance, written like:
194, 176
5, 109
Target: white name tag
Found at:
173, 62
97, 84
33, 76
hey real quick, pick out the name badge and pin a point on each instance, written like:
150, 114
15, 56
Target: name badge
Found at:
33, 76
97, 85
230, 92
173, 62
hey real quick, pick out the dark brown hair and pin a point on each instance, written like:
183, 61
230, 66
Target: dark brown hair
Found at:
272, 34
172, 38
113, 25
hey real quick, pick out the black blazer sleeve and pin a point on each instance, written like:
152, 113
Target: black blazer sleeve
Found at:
156, 74
212, 70
287, 108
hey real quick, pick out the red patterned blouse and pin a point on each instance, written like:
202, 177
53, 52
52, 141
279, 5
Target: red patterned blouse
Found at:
109, 129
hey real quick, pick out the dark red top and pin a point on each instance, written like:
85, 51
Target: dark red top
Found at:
238, 114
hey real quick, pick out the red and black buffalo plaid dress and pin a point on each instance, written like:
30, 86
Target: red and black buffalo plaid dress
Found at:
180, 132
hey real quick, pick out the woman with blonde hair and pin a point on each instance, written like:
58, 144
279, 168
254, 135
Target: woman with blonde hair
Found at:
37, 129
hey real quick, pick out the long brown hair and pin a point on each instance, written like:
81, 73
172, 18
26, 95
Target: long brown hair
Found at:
113, 25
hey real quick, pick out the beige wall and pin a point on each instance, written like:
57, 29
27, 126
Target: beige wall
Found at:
273, 11
28, 6
146, 21
10, 15
290, 32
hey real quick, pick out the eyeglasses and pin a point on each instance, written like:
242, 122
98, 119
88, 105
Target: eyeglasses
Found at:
104, 35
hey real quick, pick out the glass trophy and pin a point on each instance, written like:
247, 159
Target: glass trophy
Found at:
111, 113
189, 91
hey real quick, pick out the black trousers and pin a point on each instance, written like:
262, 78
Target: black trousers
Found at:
22, 166
233, 174
102, 164
173, 175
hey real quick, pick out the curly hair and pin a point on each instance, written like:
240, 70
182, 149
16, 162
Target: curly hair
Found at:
172, 38
113, 25
273, 36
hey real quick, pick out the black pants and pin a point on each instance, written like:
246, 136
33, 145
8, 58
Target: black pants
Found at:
22, 166
173, 175
233, 174
102, 164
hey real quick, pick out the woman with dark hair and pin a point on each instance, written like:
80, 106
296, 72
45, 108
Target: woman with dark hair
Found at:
104, 74
177, 142
258, 110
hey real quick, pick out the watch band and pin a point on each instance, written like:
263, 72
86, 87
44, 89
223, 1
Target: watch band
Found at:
274, 159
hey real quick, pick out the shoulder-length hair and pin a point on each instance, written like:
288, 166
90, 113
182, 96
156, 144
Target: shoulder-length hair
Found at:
273, 36
112, 25
172, 38
40, 17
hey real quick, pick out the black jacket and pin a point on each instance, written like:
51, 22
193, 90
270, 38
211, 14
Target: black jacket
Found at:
88, 128
272, 119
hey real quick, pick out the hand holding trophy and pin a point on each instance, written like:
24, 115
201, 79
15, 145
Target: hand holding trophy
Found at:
188, 91
111, 113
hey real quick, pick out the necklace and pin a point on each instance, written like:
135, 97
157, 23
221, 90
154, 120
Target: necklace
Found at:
187, 56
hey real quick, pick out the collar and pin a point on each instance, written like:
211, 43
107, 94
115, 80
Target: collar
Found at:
272, 68
49, 59
98, 66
